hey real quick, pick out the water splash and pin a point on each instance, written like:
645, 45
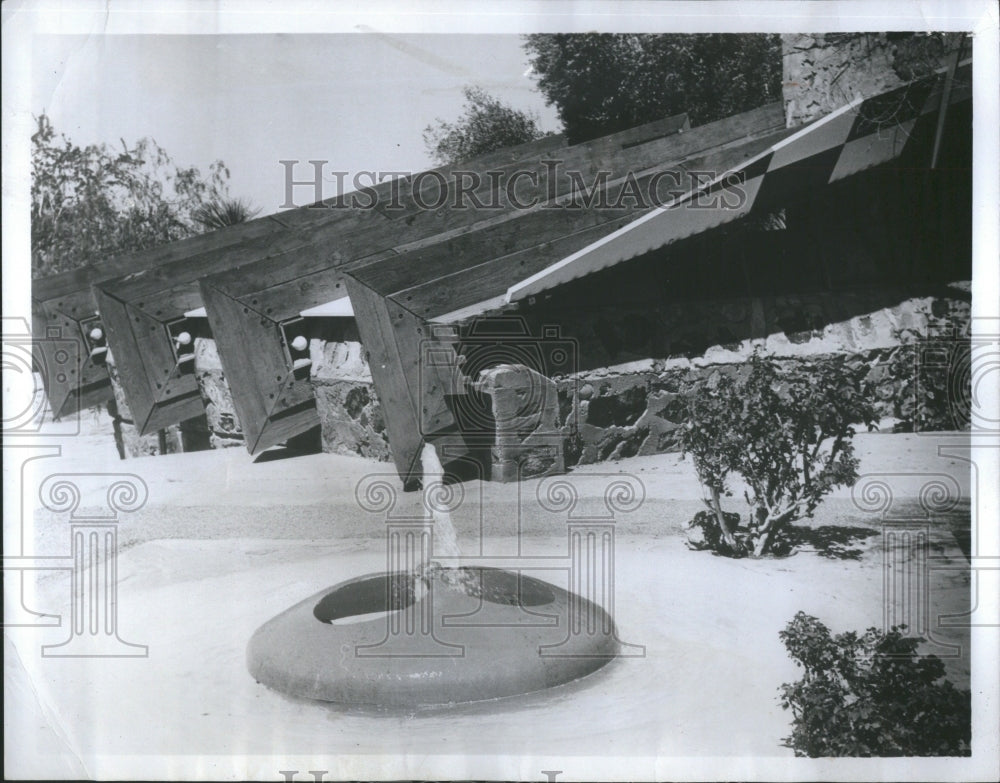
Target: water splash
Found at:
445, 538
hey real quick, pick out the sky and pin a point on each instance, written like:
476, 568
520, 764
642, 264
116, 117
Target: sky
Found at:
358, 101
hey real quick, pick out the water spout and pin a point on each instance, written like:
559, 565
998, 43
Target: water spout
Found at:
445, 538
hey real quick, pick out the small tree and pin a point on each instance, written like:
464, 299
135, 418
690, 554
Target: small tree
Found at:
89, 203
487, 124
708, 452
785, 433
870, 695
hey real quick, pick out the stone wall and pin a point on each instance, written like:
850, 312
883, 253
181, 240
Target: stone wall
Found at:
636, 408
220, 413
217, 428
349, 412
822, 72
350, 415
615, 409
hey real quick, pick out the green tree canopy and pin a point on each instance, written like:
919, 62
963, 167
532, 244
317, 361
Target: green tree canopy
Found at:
89, 203
487, 124
602, 83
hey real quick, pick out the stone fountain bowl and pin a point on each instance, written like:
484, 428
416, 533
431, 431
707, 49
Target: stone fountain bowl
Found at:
455, 635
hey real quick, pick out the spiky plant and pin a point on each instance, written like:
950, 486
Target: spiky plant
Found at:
223, 212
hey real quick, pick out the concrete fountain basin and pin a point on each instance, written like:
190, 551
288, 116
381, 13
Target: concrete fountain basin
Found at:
452, 635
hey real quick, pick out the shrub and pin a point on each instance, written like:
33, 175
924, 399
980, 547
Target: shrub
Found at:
705, 532
934, 371
786, 432
870, 695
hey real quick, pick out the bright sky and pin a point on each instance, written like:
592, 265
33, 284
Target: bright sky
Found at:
359, 101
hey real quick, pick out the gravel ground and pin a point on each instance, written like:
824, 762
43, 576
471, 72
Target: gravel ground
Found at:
224, 543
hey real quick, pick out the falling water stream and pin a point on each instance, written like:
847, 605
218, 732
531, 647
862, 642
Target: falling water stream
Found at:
445, 540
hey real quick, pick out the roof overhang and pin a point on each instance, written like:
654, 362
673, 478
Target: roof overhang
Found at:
832, 148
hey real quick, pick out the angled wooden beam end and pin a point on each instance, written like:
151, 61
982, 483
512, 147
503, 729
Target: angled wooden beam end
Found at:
266, 365
71, 348
154, 361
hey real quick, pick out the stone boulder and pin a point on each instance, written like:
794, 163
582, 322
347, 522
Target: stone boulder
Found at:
525, 408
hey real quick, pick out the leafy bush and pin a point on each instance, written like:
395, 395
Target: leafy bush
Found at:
870, 695
786, 432
704, 532
934, 368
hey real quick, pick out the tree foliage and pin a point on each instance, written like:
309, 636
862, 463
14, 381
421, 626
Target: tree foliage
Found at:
486, 124
602, 83
92, 202
870, 695
915, 55
785, 432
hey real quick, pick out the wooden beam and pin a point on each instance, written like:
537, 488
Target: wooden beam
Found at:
63, 308
480, 265
268, 379
143, 313
528, 165
248, 308
66, 302
159, 386
352, 235
411, 388
158, 295
279, 291
62, 328
492, 277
